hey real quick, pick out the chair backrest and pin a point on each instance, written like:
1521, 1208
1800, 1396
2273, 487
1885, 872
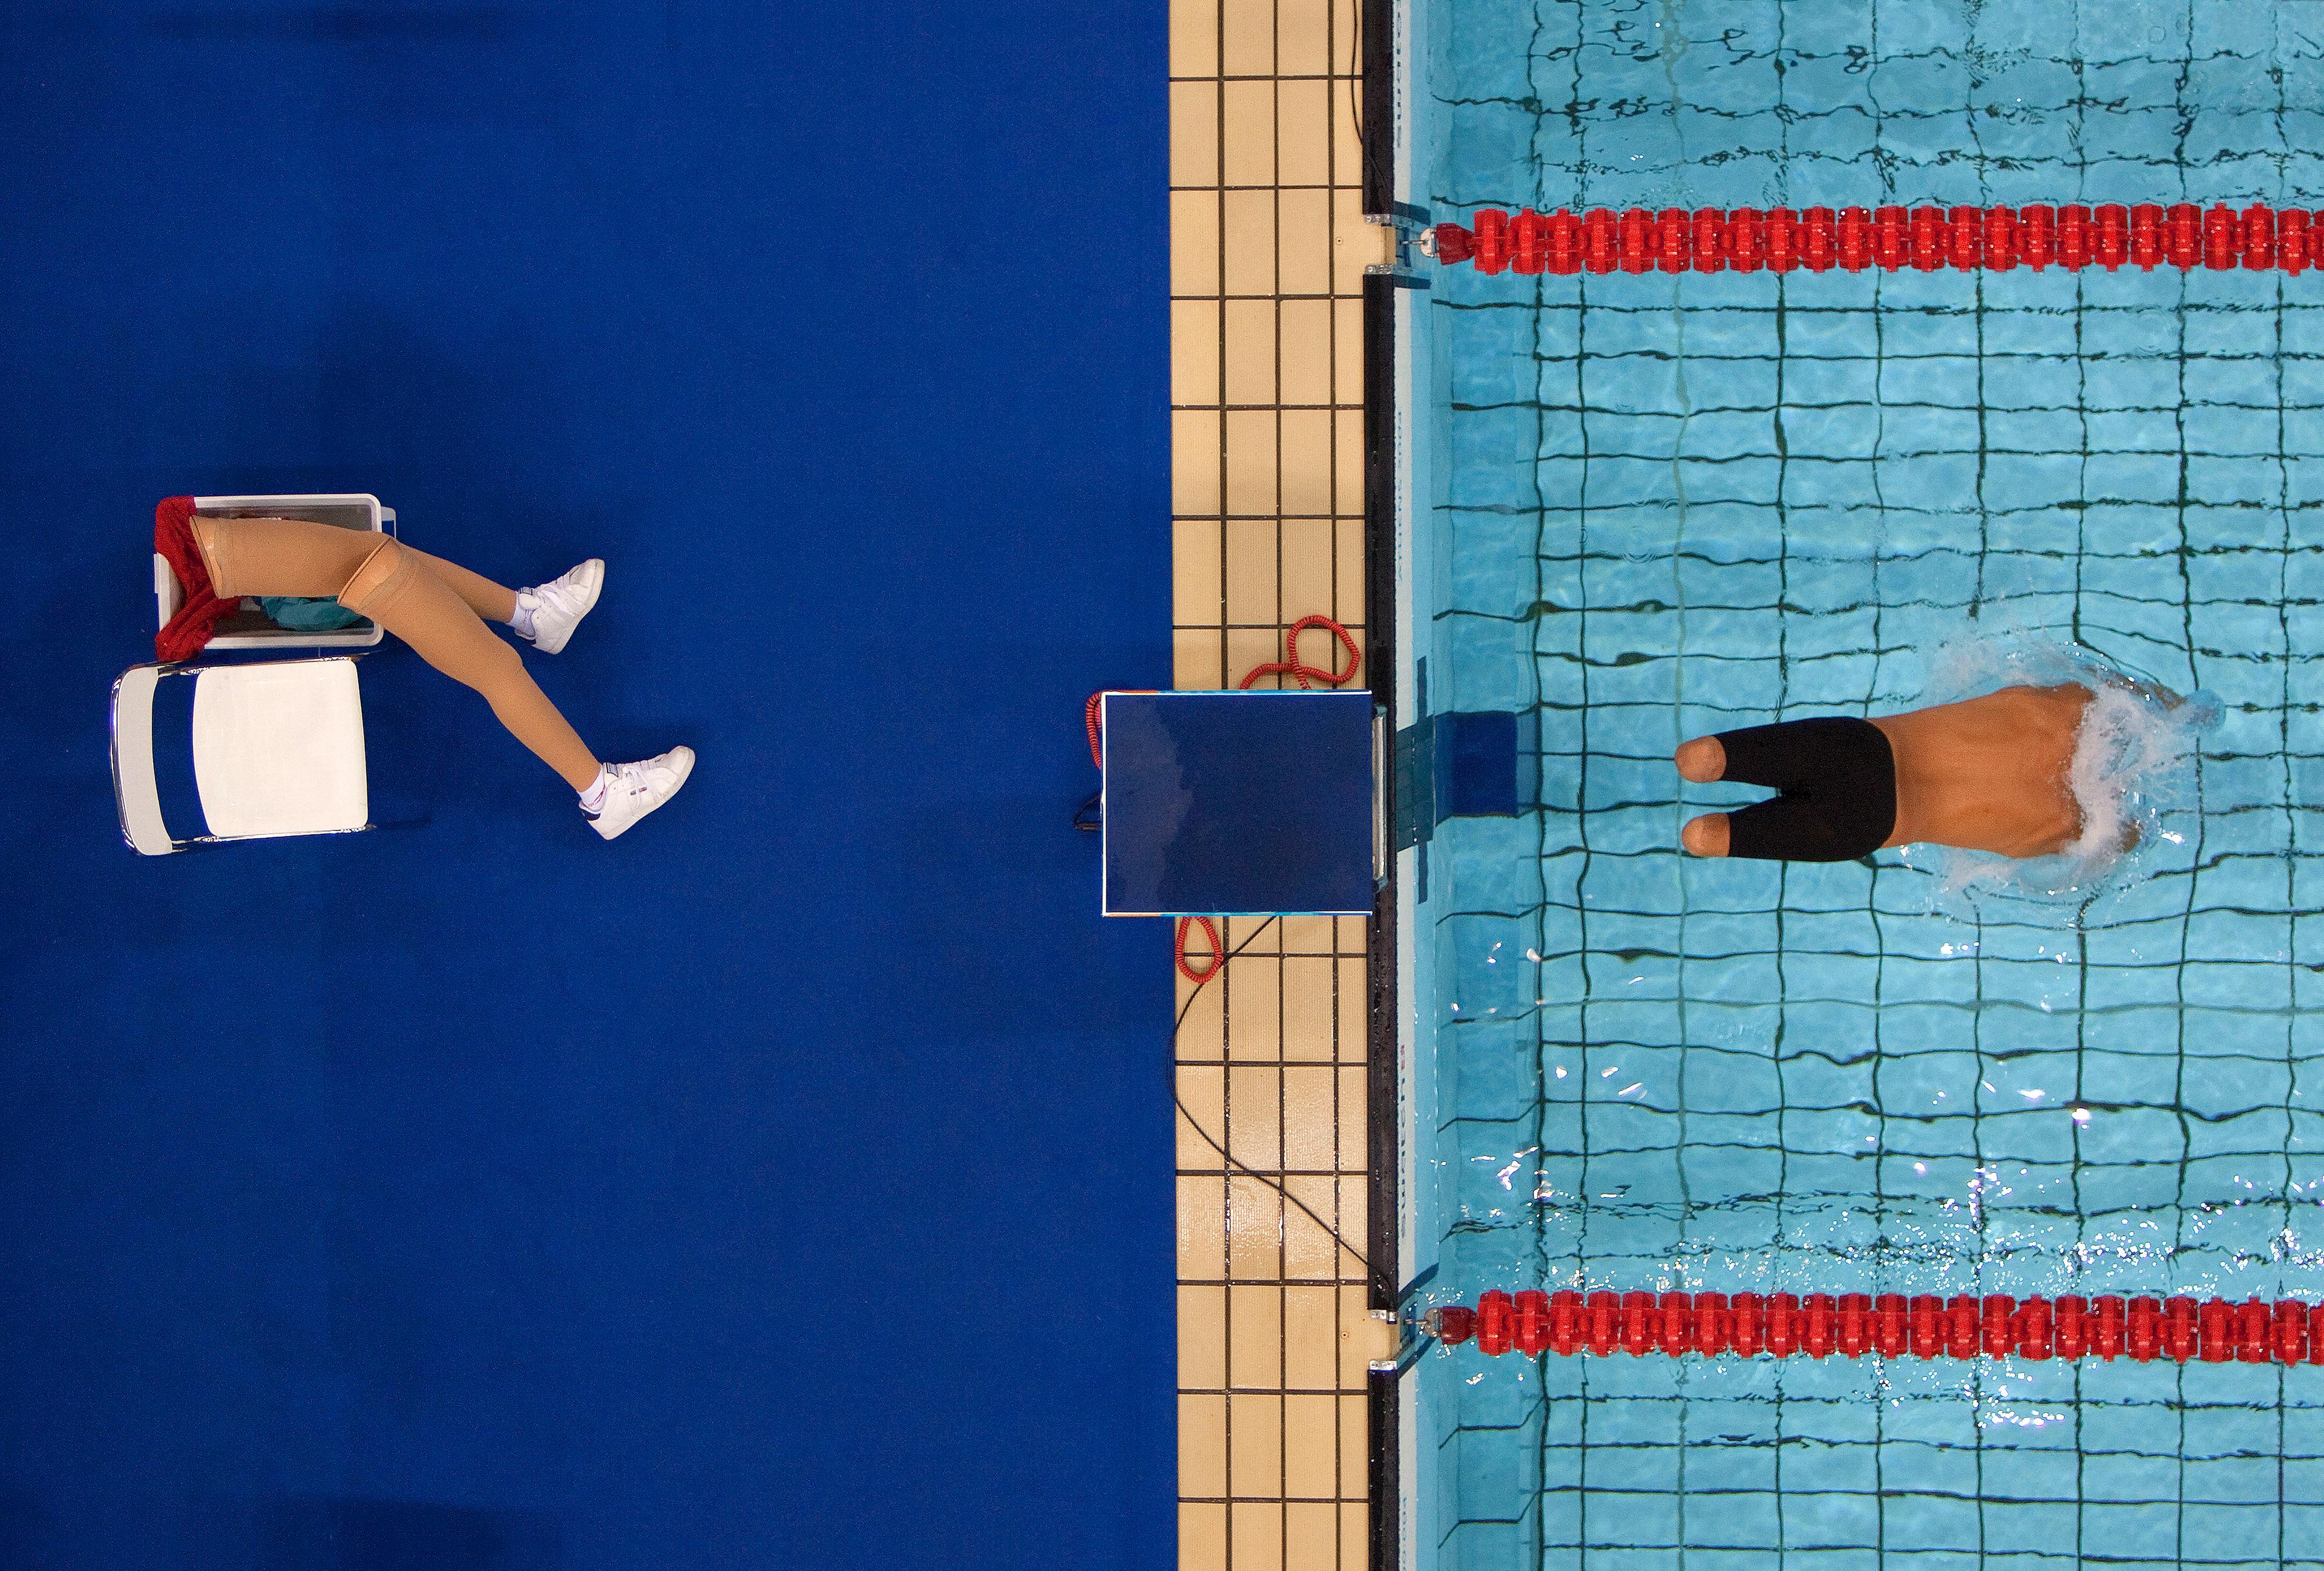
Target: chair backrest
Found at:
134, 791
278, 749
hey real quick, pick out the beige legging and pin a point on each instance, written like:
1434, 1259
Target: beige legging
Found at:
436, 606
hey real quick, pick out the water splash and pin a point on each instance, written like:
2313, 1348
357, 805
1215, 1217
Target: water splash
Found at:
2135, 775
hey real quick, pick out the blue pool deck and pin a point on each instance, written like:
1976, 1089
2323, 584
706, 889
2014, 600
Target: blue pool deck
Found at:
1647, 507
784, 1183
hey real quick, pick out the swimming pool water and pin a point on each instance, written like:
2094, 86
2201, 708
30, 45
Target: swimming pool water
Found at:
1661, 506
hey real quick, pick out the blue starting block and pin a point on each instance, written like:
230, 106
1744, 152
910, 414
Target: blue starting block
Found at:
1240, 804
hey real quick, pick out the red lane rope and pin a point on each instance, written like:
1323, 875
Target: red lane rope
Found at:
1995, 1326
1289, 665
1746, 239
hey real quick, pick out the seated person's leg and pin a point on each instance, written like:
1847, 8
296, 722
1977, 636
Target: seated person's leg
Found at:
493, 602
395, 588
280, 556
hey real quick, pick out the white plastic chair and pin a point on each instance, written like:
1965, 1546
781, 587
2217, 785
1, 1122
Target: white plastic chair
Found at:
278, 749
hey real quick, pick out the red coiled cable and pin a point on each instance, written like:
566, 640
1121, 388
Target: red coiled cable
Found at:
1291, 666
1211, 937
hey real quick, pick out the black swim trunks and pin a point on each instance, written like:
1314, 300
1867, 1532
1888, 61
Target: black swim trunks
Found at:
1839, 781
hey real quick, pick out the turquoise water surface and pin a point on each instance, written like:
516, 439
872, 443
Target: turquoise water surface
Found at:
1664, 507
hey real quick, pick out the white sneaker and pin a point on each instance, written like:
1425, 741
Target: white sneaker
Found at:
634, 789
559, 605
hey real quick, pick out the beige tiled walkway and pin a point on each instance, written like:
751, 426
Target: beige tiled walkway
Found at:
1267, 253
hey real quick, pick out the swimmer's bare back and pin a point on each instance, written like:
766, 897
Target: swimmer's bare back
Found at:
1988, 774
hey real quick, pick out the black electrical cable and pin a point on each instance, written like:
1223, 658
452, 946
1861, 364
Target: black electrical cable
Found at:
1191, 1124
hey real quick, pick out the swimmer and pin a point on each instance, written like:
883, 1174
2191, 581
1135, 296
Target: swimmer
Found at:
1993, 773
436, 608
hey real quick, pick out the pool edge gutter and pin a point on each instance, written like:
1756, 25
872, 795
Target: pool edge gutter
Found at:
1378, 22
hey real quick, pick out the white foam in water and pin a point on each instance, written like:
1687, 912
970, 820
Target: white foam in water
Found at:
2135, 775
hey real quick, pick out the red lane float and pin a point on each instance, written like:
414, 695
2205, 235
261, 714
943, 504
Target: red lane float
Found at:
1926, 239
2216, 1331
